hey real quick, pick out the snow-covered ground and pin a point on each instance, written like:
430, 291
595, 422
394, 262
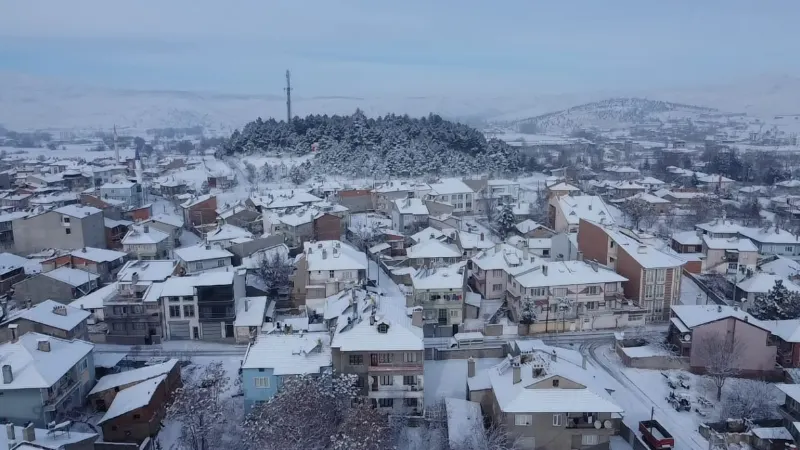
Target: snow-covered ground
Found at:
448, 378
691, 294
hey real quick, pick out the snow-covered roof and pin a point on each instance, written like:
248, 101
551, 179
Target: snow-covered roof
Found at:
440, 278
70, 276
137, 236
778, 433
650, 181
649, 198
762, 282
77, 210
769, 236
433, 248
427, 233
714, 178
226, 232
413, 206
147, 271
525, 397
648, 256
502, 257
589, 207
196, 201
95, 300
681, 194
473, 240
696, 315
201, 252
333, 255
99, 255
250, 311
791, 390
528, 225
720, 226
35, 369
567, 273
118, 380
109, 360
184, 286
118, 184
10, 261
8, 217
563, 187
687, 238
782, 266
450, 186
289, 354
464, 424
398, 186
111, 223
133, 398
364, 337
168, 219
52, 314
788, 183
46, 439
621, 169
734, 243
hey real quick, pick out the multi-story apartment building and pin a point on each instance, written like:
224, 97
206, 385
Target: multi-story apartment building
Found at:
570, 295
100, 261
489, 269
69, 227
143, 242
440, 293
454, 192
44, 378
566, 212
653, 276
133, 313
202, 306
128, 193
384, 196
729, 256
409, 215
388, 360
326, 268
203, 257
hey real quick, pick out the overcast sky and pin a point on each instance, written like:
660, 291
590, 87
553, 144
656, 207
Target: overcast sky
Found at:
408, 47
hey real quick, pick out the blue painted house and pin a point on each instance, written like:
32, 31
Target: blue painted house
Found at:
43, 378
272, 357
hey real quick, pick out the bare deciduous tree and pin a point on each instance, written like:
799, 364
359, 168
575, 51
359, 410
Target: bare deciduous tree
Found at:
720, 357
275, 271
749, 399
637, 211
496, 437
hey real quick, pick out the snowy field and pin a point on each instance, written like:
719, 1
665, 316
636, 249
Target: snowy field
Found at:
72, 151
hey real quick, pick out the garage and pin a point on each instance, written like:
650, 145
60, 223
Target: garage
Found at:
211, 331
179, 330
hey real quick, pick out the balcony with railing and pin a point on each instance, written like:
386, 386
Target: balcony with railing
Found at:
65, 388
395, 391
395, 367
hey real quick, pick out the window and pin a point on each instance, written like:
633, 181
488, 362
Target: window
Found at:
611, 287
508, 278
137, 309
409, 380
174, 299
559, 292
356, 360
497, 287
198, 265
546, 252
137, 416
65, 219
386, 380
589, 439
261, 382
539, 292
591, 305
648, 291
556, 382
659, 291
634, 317
732, 266
593, 290
523, 420
410, 402
386, 402
220, 263
175, 311
661, 275
557, 420
67, 230
454, 313
83, 364
188, 310
409, 357
789, 249
138, 326
383, 328
385, 358
649, 276
611, 244
331, 274
118, 326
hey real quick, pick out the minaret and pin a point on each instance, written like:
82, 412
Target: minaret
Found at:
116, 150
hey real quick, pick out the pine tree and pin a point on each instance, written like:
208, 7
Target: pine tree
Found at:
505, 220
777, 304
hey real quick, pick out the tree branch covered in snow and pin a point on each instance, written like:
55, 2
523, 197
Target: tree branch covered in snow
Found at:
749, 399
720, 358
778, 304
496, 437
505, 220
275, 272
637, 211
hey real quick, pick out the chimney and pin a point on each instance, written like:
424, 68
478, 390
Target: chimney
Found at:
544, 269
517, 370
61, 310
525, 253
8, 375
482, 236
83, 249
554, 356
43, 344
583, 362
146, 228
10, 432
29, 433
416, 318
246, 304
324, 253
372, 319
28, 303
470, 367
13, 329
719, 308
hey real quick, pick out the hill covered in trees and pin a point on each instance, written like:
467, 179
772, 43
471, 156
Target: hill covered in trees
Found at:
359, 146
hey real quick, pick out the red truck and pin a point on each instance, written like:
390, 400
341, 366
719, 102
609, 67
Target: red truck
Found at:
655, 435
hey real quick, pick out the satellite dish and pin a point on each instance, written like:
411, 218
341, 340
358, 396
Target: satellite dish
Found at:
598, 424
607, 424
687, 337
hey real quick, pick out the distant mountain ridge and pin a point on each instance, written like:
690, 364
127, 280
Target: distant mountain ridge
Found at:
613, 113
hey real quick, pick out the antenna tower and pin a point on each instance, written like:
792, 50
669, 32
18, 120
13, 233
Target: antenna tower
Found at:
116, 150
288, 90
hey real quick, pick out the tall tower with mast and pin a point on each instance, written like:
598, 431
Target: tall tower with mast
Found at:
288, 90
116, 150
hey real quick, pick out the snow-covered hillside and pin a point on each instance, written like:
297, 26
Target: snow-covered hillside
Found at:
614, 113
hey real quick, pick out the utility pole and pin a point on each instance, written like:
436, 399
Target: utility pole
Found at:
288, 90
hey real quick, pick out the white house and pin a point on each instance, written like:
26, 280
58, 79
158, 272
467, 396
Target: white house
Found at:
143, 242
454, 192
408, 214
328, 267
440, 293
203, 257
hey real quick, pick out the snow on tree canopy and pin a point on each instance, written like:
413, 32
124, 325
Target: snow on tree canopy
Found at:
397, 145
